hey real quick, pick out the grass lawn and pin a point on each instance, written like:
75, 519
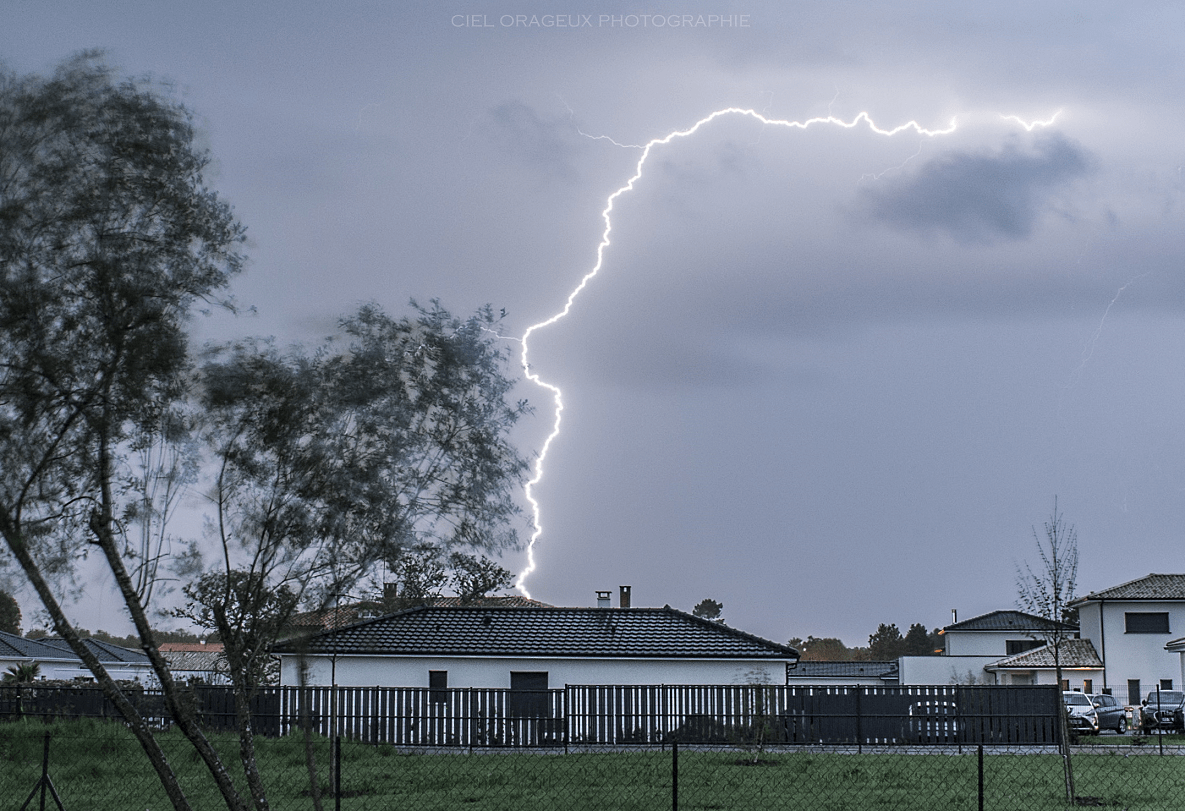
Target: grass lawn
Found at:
98, 765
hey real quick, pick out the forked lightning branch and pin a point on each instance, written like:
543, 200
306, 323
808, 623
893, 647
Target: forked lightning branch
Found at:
607, 215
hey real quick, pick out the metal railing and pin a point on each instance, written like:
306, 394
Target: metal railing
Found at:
603, 714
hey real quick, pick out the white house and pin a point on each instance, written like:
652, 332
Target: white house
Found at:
1007, 647
534, 648
55, 660
1131, 626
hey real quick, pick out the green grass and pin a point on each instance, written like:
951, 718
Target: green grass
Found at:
98, 765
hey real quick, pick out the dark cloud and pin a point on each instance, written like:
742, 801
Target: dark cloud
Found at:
978, 197
544, 145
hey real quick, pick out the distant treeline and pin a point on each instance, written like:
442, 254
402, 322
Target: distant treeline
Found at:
886, 644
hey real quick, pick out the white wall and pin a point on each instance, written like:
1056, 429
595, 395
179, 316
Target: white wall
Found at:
393, 671
981, 643
70, 669
945, 669
1134, 656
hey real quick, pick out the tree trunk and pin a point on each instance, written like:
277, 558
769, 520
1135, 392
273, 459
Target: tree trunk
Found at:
306, 724
110, 689
242, 691
181, 712
101, 521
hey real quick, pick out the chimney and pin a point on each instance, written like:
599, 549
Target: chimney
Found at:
603, 599
625, 596
954, 616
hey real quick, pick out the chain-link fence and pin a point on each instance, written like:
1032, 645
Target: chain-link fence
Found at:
601, 748
97, 765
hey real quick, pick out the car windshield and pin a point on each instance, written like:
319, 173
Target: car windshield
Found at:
1167, 697
1076, 698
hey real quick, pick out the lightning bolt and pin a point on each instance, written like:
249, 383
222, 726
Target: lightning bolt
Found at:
1031, 125
606, 215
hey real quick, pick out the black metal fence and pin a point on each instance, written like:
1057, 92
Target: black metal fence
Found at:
613, 715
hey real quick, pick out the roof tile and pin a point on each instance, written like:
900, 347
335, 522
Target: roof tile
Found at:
563, 632
1151, 587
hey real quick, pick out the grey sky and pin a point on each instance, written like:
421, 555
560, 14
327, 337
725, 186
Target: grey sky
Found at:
827, 377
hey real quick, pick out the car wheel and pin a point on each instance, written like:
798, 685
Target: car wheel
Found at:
1121, 727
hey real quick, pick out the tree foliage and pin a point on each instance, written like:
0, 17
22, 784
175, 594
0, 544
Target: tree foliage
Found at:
920, 642
475, 577
383, 446
421, 574
886, 643
10, 614
826, 649
22, 673
108, 236
709, 609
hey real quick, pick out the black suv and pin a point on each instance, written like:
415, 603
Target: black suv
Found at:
1165, 710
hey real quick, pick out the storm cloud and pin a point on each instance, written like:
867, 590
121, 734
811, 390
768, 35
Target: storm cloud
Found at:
976, 197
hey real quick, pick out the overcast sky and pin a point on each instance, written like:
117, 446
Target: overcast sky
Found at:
828, 377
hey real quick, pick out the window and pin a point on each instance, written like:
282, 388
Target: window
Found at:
528, 694
1146, 622
1166, 684
1015, 646
438, 686
1065, 685
1088, 685
1133, 692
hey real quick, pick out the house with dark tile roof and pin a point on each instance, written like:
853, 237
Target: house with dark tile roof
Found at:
1132, 626
56, 660
443, 646
1008, 647
1079, 662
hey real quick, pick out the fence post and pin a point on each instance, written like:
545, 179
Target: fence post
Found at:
337, 773
44, 770
674, 775
1159, 726
981, 777
859, 725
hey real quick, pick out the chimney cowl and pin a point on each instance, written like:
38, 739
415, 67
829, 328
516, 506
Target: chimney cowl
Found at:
604, 599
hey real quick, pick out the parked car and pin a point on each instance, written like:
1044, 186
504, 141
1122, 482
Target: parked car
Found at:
933, 722
1164, 709
1111, 712
1081, 713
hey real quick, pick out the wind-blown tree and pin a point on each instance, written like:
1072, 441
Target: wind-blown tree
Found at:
474, 577
332, 463
108, 237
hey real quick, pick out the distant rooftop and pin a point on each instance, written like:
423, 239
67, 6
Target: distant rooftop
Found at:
840, 670
1151, 587
46, 648
1017, 621
1071, 653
